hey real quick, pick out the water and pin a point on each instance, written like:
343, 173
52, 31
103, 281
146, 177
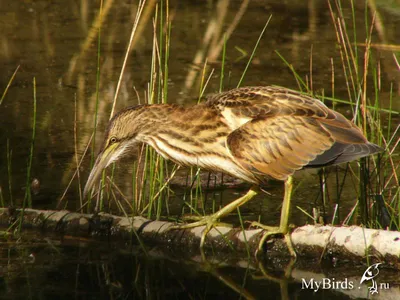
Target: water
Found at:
50, 268
47, 42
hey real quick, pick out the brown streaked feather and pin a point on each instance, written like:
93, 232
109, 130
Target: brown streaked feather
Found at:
277, 131
256, 102
343, 130
250, 133
283, 145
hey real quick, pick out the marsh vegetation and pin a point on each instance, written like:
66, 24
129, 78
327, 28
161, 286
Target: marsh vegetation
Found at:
64, 74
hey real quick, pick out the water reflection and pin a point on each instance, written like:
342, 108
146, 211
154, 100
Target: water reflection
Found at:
57, 44
38, 268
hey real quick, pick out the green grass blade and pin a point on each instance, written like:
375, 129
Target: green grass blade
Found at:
8, 85
254, 51
28, 198
9, 171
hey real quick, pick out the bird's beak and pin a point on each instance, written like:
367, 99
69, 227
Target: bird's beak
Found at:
105, 157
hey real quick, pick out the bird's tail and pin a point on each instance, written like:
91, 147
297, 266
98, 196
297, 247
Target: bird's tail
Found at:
342, 153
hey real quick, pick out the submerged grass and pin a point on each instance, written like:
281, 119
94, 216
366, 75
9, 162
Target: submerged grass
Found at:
99, 203
28, 197
376, 180
96, 111
9, 172
372, 178
8, 150
150, 172
254, 51
8, 85
378, 194
2, 202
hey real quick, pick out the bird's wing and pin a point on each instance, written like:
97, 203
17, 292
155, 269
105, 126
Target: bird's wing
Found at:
276, 131
278, 146
238, 106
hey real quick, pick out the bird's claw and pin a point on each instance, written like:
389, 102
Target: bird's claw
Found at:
271, 231
208, 221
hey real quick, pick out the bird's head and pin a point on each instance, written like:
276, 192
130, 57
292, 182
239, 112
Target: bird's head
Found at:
121, 135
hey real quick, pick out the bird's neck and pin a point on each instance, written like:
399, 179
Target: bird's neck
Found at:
159, 119
181, 133
192, 136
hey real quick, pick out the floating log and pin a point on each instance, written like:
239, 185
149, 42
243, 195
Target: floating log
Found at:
327, 243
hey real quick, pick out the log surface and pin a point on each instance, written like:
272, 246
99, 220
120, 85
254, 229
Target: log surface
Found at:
309, 241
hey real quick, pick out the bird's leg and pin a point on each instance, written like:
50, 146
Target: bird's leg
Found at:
283, 228
212, 220
282, 280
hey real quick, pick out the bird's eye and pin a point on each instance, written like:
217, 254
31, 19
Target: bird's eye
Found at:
113, 140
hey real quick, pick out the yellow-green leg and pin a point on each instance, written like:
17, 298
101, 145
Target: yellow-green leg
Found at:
283, 280
283, 228
212, 220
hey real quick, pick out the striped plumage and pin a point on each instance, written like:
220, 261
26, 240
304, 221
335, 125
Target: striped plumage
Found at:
193, 136
252, 133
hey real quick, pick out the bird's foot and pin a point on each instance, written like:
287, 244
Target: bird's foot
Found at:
271, 231
208, 221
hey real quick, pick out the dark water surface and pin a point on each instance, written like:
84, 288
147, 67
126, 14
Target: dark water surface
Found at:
54, 42
40, 267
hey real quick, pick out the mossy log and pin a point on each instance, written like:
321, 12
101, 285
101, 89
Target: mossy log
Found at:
310, 241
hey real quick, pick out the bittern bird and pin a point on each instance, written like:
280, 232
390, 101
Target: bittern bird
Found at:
252, 133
